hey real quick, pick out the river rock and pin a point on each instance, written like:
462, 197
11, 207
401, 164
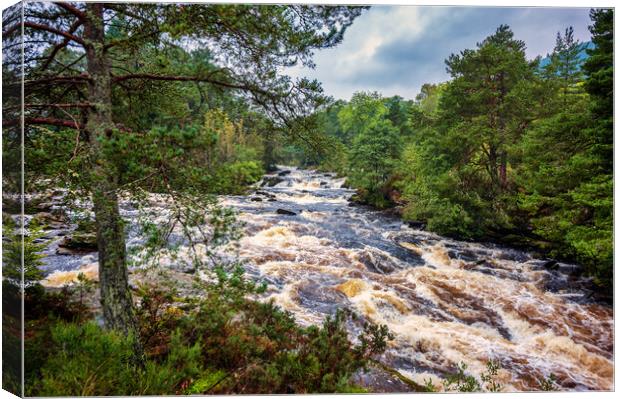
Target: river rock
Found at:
285, 212
256, 199
551, 265
284, 173
416, 224
77, 243
265, 193
320, 298
377, 262
271, 181
49, 220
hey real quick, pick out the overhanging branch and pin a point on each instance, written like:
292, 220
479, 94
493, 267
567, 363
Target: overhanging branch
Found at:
42, 121
81, 15
61, 45
43, 27
149, 76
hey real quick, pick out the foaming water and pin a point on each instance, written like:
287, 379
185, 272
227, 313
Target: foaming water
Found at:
446, 301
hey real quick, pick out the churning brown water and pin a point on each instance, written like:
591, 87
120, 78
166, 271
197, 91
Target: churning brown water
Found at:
446, 301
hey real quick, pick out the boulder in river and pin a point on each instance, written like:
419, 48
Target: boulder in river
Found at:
271, 181
284, 173
256, 199
265, 193
416, 224
50, 220
78, 243
285, 212
551, 265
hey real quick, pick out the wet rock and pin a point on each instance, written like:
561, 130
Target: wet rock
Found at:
284, 173
265, 194
381, 378
377, 262
412, 247
355, 200
323, 183
271, 181
551, 265
572, 270
320, 298
513, 255
49, 220
271, 199
280, 211
465, 255
415, 224
77, 243
256, 199
65, 251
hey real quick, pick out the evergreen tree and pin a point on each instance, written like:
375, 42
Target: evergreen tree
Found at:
74, 83
565, 62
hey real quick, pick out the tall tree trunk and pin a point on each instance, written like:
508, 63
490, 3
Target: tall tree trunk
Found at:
502, 170
115, 295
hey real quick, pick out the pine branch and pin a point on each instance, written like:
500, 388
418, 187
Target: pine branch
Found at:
61, 45
81, 15
150, 76
43, 27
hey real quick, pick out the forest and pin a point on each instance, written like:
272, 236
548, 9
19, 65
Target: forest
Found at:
507, 150
159, 111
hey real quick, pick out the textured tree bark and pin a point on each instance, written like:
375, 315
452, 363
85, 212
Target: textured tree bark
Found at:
502, 170
115, 295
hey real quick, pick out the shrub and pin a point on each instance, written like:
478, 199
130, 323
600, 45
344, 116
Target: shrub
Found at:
89, 361
224, 341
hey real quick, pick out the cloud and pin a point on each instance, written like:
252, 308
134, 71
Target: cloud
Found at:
396, 49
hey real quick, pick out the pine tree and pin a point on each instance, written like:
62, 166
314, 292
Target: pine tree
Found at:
77, 63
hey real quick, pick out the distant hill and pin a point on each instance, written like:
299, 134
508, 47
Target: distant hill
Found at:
582, 54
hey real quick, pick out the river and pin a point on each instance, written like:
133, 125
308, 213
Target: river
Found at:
445, 301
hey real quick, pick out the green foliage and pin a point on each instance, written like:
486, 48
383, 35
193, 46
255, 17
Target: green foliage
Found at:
18, 247
221, 342
235, 177
599, 68
463, 382
88, 361
363, 109
373, 155
367, 126
564, 68
548, 383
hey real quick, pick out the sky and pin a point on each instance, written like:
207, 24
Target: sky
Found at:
396, 49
